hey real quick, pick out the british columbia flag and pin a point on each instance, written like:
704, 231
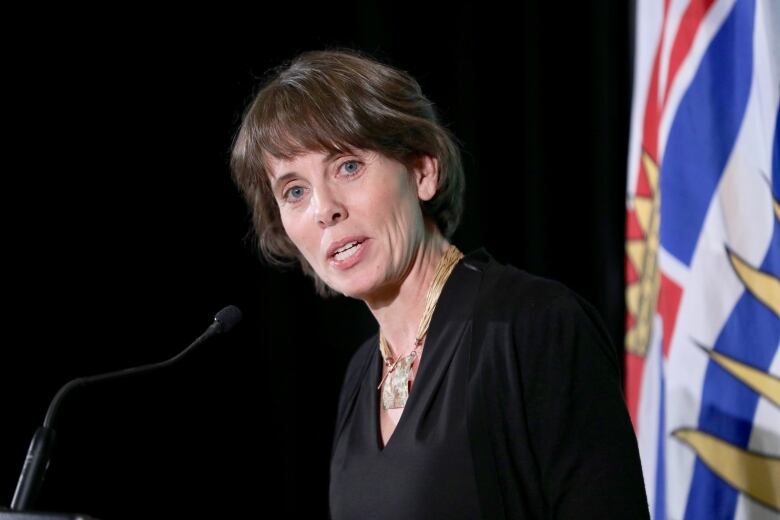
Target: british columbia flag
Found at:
703, 257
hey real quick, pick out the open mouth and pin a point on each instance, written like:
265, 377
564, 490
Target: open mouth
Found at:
347, 250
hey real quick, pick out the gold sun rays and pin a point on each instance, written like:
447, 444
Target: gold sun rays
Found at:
763, 383
764, 286
754, 474
642, 252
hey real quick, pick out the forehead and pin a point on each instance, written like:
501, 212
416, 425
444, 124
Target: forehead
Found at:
278, 166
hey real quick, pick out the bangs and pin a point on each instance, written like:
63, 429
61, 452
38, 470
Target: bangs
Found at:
291, 122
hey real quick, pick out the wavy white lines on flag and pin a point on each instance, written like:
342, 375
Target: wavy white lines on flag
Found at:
704, 130
713, 142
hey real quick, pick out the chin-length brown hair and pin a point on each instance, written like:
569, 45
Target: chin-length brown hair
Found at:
334, 101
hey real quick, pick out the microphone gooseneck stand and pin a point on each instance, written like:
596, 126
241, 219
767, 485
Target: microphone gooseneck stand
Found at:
38, 454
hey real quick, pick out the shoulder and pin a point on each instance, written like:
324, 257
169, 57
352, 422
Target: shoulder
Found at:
542, 316
509, 292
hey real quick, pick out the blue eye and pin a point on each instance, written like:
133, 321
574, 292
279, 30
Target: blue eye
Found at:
294, 193
351, 167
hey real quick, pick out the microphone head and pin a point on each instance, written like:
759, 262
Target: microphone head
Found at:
228, 317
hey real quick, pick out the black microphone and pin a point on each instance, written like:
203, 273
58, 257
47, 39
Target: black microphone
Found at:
37, 459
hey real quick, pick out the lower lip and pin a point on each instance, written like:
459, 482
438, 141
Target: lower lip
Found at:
352, 260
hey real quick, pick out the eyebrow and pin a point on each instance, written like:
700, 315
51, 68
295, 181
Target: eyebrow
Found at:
278, 181
281, 180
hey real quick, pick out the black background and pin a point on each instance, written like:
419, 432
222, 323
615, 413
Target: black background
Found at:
123, 233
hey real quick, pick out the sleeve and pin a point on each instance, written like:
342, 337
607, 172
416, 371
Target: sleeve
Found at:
578, 423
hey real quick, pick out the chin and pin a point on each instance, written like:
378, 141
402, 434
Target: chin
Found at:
351, 291
358, 289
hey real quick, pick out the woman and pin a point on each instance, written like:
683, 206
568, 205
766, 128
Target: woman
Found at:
487, 392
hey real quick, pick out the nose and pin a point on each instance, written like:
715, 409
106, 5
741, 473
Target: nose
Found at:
329, 209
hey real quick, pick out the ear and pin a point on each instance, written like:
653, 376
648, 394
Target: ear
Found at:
426, 176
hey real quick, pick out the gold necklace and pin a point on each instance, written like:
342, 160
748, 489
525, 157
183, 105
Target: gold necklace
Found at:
395, 384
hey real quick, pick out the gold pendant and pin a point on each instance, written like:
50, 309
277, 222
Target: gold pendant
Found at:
395, 391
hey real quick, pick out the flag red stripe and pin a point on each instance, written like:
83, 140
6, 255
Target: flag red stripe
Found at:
635, 366
689, 26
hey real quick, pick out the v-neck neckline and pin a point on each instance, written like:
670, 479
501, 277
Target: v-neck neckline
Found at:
425, 370
366, 378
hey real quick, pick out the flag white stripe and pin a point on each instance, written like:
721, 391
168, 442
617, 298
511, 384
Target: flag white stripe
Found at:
649, 413
647, 33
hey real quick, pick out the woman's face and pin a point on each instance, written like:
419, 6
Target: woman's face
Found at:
356, 216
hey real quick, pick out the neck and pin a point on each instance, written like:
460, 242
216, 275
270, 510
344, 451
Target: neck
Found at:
399, 309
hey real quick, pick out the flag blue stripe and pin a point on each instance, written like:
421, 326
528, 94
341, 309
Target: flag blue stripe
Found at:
703, 131
776, 159
771, 263
751, 335
659, 508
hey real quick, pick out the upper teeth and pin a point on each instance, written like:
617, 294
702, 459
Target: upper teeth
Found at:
346, 246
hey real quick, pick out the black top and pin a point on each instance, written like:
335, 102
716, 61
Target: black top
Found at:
516, 412
425, 470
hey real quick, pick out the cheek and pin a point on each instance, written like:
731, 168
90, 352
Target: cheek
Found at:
407, 212
295, 231
399, 200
